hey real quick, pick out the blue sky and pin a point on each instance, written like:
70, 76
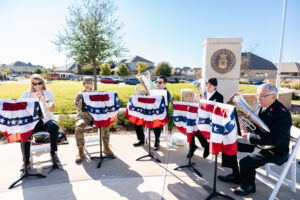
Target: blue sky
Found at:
158, 30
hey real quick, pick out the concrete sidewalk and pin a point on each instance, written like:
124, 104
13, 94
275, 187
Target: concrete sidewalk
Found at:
123, 177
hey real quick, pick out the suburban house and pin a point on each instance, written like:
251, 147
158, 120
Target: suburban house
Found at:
132, 66
187, 72
256, 68
289, 69
69, 68
17, 66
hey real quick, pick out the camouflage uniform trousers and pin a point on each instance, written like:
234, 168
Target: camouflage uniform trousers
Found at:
82, 121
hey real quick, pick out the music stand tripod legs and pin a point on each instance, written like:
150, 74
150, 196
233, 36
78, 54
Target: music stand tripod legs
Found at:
213, 192
25, 173
101, 157
189, 165
149, 154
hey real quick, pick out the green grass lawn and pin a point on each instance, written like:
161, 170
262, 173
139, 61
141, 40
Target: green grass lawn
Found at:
64, 92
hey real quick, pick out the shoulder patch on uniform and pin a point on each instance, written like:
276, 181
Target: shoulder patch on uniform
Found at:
283, 109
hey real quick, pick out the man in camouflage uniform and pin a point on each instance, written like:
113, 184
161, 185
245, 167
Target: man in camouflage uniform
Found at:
83, 119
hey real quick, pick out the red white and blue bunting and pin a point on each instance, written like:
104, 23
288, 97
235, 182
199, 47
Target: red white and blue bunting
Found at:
184, 117
216, 121
148, 111
103, 106
18, 118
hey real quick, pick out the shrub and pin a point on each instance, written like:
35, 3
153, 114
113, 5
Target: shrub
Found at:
296, 121
67, 123
171, 124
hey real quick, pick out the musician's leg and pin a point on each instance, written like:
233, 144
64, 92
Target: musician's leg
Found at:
157, 132
204, 143
140, 135
105, 140
52, 128
193, 148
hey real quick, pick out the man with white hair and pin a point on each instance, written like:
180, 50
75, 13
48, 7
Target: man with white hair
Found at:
277, 117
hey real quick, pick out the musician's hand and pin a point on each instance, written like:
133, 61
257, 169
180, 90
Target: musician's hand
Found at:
245, 135
197, 98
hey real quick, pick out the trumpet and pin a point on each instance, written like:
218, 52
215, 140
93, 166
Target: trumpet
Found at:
198, 84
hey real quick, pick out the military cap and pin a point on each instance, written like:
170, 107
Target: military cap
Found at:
88, 79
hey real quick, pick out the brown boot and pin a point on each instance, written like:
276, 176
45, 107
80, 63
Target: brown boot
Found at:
80, 154
107, 150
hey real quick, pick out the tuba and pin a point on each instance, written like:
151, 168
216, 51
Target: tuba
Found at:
146, 82
238, 101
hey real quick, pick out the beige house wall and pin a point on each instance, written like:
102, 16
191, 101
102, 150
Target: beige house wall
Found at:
252, 74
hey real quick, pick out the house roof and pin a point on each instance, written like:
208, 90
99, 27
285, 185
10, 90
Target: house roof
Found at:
251, 61
186, 68
70, 67
19, 63
289, 67
136, 59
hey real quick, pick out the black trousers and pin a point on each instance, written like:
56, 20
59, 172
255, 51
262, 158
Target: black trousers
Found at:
140, 132
249, 164
201, 139
52, 128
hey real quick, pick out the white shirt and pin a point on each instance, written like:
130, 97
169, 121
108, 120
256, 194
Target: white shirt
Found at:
49, 95
210, 94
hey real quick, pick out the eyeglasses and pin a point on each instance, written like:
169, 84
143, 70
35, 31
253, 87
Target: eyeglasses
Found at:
263, 96
160, 82
38, 83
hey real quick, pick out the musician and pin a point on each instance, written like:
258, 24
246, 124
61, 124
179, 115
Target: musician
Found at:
277, 117
211, 94
83, 119
161, 84
38, 89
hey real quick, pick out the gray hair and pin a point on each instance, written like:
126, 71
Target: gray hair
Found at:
270, 87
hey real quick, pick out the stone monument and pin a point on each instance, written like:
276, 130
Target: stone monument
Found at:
222, 59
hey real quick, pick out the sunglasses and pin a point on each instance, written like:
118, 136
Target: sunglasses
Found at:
160, 82
38, 83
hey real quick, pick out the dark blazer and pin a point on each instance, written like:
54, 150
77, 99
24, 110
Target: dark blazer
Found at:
218, 97
279, 120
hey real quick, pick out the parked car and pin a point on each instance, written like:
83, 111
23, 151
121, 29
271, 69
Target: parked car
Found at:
118, 79
131, 81
189, 80
107, 80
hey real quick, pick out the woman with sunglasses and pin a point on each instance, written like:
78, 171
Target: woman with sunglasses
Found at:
39, 91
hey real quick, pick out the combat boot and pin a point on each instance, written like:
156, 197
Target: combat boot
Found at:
107, 150
80, 154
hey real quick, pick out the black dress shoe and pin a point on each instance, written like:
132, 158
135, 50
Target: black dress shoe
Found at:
206, 151
244, 190
192, 151
139, 143
229, 178
156, 145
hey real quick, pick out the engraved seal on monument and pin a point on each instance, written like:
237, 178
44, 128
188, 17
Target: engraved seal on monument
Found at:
223, 61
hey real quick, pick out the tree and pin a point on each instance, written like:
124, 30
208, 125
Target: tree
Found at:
37, 71
92, 34
87, 70
105, 69
163, 68
141, 67
19, 73
122, 70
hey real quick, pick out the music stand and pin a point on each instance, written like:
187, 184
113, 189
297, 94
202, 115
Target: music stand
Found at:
25, 172
213, 191
189, 165
149, 151
101, 157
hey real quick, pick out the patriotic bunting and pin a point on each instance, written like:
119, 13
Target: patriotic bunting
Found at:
148, 111
18, 118
103, 106
217, 122
184, 117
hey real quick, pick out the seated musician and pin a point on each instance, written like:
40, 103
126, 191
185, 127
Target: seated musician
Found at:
213, 95
83, 119
161, 84
277, 117
38, 89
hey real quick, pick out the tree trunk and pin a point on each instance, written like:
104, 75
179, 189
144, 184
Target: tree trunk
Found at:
95, 74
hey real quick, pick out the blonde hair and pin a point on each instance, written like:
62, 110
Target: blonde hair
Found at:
37, 77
